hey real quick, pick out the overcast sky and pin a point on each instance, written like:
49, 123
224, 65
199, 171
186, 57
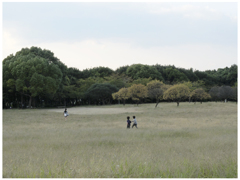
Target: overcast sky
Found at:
202, 36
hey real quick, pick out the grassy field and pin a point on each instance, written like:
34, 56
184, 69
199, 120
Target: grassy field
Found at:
189, 141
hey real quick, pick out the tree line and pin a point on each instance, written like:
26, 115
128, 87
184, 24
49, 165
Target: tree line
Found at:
34, 77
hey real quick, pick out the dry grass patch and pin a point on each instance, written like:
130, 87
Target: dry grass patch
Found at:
186, 141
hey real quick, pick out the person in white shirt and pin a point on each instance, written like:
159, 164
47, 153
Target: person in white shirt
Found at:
65, 113
134, 122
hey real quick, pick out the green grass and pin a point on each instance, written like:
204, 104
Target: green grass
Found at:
189, 141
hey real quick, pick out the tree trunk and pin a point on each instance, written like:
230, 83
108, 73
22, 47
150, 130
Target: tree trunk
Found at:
157, 103
177, 103
21, 100
30, 102
34, 104
65, 102
124, 102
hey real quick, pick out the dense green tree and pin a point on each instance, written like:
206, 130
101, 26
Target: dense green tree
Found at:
189, 74
235, 93
161, 69
101, 92
209, 79
119, 81
226, 92
214, 93
32, 74
173, 75
232, 75
31, 80
143, 81
137, 71
97, 72
84, 84
122, 70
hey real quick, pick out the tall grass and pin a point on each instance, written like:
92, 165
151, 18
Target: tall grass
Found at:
189, 141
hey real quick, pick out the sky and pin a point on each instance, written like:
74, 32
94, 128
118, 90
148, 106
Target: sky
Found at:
84, 35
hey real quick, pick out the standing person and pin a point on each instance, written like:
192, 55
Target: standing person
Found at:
134, 122
128, 122
65, 113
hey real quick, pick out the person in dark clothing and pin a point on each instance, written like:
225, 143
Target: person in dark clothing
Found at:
128, 122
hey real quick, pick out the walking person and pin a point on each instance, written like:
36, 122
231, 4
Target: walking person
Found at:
65, 113
128, 122
134, 122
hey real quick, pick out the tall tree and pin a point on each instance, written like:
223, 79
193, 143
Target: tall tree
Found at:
122, 95
214, 93
173, 75
226, 92
102, 92
235, 93
177, 93
143, 71
155, 90
33, 75
137, 92
199, 94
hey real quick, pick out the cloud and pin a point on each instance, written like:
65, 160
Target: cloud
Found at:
209, 11
10, 44
128, 35
93, 53
114, 53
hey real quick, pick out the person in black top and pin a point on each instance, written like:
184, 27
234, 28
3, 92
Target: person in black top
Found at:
128, 122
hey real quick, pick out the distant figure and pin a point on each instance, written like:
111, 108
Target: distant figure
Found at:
134, 122
128, 122
65, 113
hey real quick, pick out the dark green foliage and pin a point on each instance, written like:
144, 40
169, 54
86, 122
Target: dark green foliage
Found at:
97, 72
35, 73
214, 93
32, 74
174, 75
226, 92
189, 74
101, 92
122, 70
137, 71
225, 76
209, 79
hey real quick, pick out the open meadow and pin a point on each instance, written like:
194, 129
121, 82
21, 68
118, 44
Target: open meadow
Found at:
189, 141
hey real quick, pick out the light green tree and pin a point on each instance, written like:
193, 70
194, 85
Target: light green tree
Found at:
177, 93
122, 95
137, 92
199, 94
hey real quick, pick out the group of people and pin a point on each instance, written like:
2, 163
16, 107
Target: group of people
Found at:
129, 122
65, 113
